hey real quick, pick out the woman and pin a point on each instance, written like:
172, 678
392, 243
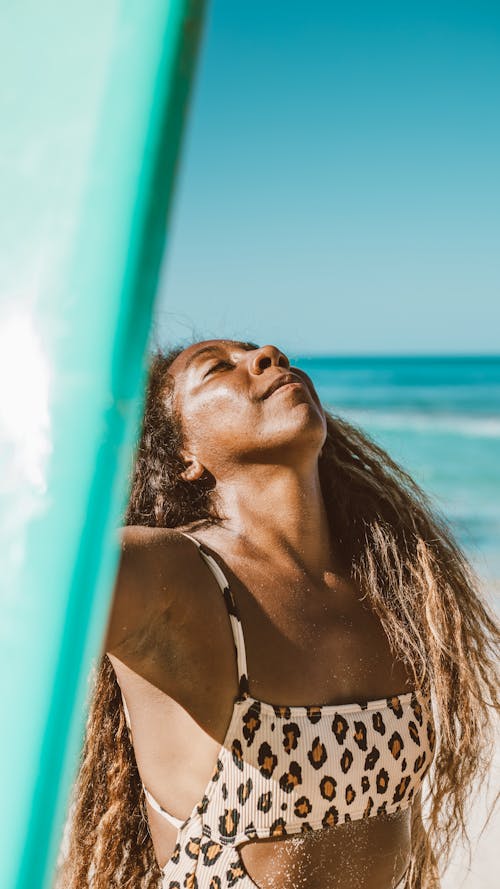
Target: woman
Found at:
297, 653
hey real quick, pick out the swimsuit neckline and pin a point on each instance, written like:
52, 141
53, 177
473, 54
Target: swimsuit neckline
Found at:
331, 709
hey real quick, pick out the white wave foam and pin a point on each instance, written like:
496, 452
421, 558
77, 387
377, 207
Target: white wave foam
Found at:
456, 424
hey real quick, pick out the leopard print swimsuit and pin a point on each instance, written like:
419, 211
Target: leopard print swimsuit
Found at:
285, 770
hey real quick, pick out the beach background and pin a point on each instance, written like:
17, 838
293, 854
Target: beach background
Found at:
339, 197
439, 416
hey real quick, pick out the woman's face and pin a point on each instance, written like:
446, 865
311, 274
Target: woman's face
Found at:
221, 388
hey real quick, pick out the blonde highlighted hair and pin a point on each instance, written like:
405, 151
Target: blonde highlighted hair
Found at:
402, 554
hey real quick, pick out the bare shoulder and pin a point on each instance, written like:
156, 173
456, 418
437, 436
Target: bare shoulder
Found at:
156, 569
160, 557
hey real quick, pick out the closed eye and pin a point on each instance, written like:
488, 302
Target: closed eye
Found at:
218, 364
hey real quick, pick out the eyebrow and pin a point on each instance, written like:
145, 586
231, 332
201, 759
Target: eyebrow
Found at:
247, 346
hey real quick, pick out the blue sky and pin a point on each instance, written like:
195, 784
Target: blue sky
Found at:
339, 187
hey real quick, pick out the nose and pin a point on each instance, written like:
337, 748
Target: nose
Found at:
266, 356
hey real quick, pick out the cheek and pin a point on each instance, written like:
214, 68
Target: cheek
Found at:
222, 419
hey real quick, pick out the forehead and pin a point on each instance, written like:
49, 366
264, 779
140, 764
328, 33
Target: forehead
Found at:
204, 349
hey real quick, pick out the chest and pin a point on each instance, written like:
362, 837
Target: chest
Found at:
314, 644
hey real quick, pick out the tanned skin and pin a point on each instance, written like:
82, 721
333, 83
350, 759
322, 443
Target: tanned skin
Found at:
309, 638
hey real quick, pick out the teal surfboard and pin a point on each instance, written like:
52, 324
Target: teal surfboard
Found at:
94, 99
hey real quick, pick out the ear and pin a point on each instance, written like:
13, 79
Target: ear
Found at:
194, 469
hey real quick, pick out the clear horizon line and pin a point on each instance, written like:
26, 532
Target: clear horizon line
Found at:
401, 355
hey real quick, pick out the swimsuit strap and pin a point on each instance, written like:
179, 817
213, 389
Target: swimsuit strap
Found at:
177, 822
234, 617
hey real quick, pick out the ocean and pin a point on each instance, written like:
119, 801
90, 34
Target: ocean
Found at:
439, 417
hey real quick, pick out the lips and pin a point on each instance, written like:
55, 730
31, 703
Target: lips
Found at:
282, 380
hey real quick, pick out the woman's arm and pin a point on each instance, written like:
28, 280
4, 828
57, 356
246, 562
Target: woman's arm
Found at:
150, 577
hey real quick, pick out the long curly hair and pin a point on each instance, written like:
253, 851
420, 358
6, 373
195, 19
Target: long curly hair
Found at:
402, 554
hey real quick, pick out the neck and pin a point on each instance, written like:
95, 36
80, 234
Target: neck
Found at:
280, 510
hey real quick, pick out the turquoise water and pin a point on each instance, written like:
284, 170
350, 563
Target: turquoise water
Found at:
440, 419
